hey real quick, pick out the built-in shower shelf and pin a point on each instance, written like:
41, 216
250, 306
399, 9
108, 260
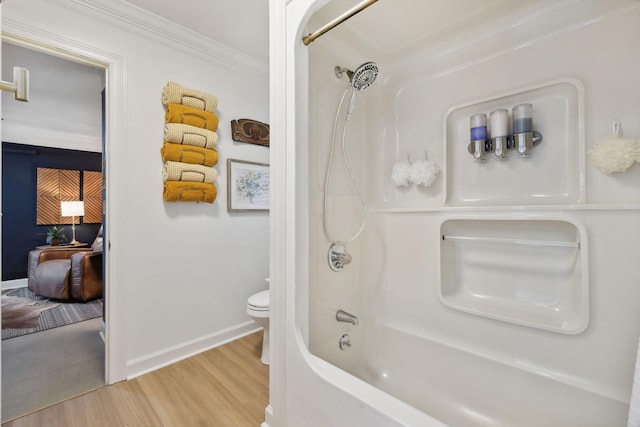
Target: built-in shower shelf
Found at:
531, 272
553, 174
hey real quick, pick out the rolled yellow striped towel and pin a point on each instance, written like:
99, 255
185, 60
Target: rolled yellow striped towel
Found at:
179, 133
178, 191
178, 171
177, 113
188, 154
173, 93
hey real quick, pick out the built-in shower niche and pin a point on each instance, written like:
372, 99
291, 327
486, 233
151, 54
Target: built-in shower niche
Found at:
554, 171
526, 271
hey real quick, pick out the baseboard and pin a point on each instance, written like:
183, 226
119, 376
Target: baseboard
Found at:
268, 416
14, 284
154, 361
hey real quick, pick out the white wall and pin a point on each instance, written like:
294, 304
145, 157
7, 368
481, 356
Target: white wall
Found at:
425, 94
185, 269
65, 102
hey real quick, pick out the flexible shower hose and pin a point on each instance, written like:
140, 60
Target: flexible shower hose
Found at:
348, 165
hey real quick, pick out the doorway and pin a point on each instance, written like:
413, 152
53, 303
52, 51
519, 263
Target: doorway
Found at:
61, 128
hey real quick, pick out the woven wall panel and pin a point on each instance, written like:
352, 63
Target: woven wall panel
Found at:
69, 182
92, 194
54, 186
48, 183
48, 210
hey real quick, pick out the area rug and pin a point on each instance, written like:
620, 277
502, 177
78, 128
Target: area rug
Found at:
24, 313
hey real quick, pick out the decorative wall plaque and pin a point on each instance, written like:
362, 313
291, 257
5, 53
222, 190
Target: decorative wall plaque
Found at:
250, 131
92, 196
54, 186
57, 185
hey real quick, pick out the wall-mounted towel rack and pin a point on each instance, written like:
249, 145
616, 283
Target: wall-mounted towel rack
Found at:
525, 242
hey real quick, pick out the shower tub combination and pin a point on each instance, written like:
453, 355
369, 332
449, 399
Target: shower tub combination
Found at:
502, 292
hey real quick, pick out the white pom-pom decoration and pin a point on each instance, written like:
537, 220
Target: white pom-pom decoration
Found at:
400, 174
424, 172
615, 154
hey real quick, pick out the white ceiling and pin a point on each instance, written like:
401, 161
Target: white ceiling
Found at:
388, 27
242, 25
392, 28
387, 30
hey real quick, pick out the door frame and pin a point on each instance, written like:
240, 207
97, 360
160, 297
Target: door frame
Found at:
113, 155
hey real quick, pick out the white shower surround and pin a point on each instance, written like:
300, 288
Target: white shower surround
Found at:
492, 371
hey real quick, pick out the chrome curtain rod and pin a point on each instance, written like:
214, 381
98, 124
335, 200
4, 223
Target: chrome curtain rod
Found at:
339, 20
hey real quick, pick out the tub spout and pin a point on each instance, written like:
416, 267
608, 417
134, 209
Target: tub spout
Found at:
343, 316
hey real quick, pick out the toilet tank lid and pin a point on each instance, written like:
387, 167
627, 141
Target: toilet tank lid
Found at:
261, 299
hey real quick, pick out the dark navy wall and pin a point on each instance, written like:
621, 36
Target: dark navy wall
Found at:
20, 233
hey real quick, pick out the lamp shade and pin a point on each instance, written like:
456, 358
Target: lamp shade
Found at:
72, 208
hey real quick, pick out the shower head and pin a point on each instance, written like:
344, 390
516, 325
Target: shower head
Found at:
362, 78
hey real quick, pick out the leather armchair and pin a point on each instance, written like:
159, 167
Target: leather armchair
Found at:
67, 273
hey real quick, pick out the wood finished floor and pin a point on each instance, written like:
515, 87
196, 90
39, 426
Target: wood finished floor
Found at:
227, 386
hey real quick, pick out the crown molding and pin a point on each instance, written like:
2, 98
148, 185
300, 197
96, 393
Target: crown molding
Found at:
135, 20
47, 137
26, 35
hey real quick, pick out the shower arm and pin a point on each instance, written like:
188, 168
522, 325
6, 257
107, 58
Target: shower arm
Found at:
337, 21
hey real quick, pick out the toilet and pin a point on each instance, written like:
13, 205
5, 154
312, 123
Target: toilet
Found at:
258, 309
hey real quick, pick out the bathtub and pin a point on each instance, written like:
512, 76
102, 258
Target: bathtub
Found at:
485, 365
452, 324
460, 388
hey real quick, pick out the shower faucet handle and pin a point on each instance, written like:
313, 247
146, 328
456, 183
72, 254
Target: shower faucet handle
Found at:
345, 342
344, 258
338, 256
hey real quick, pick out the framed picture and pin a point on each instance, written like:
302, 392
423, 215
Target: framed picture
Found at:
247, 186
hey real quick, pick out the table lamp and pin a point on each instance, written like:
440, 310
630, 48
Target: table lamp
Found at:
72, 209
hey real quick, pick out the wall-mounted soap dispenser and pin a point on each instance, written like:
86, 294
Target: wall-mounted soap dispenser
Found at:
497, 138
